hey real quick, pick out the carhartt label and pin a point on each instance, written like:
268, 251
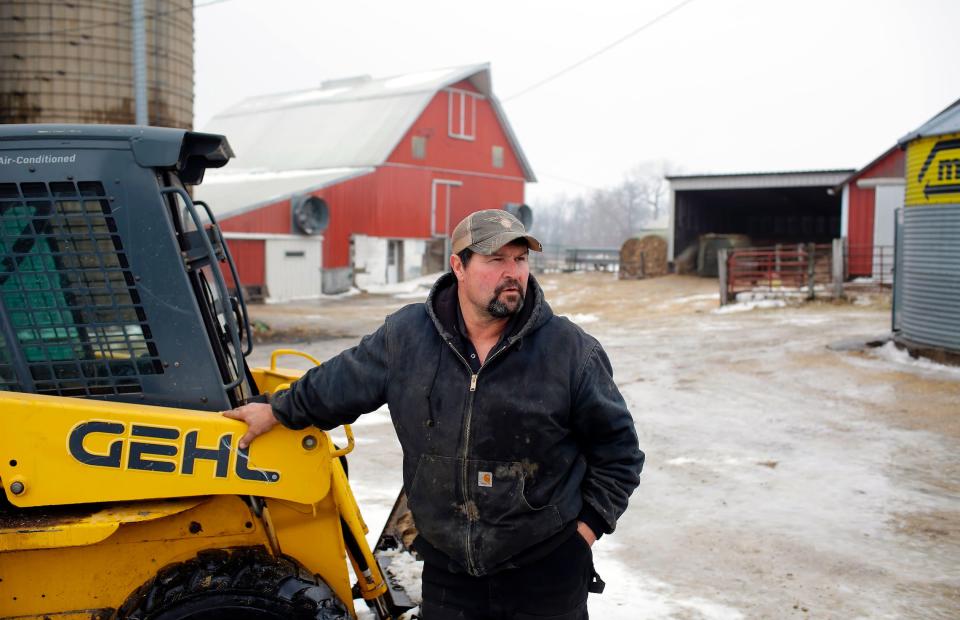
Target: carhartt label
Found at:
485, 478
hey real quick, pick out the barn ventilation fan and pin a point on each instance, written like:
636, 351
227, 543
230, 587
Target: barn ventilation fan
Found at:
311, 215
521, 212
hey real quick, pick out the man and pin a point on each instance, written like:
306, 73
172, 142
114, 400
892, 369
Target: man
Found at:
518, 449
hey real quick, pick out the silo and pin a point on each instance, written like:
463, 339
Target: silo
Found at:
72, 62
928, 262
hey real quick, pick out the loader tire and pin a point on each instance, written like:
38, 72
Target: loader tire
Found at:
235, 584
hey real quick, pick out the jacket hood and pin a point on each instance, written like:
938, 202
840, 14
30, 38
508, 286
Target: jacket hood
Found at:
536, 311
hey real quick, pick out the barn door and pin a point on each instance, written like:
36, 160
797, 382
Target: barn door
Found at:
293, 268
888, 198
441, 193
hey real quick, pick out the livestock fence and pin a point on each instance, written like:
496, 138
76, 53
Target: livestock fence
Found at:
557, 258
803, 270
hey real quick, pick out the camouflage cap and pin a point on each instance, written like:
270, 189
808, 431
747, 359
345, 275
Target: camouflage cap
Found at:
487, 231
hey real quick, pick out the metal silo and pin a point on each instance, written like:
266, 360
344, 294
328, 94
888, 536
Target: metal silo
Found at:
72, 62
929, 266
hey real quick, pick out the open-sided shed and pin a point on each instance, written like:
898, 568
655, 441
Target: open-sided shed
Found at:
767, 207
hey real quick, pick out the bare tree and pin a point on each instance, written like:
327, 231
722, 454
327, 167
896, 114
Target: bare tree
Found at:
606, 217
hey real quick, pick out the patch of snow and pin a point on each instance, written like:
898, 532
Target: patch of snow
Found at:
632, 594
803, 321
348, 293
423, 283
312, 95
750, 305
582, 319
420, 294
242, 175
891, 353
415, 79
712, 463
705, 297
407, 571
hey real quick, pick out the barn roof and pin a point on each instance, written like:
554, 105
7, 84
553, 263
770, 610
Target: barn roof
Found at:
348, 123
234, 192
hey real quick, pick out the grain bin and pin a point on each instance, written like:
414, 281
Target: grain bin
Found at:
72, 62
928, 277
643, 257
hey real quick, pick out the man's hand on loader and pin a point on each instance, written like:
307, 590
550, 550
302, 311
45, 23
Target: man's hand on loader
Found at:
258, 417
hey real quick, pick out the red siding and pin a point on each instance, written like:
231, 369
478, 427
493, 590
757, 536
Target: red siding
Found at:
274, 219
861, 210
454, 153
891, 165
249, 255
860, 230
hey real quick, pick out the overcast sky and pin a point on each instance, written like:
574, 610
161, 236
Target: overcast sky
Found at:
715, 86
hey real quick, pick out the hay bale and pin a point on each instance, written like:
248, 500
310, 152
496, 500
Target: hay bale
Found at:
643, 257
686, 261
709, 245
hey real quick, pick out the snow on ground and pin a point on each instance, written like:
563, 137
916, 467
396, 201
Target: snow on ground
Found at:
889, 352
746, 306
407, 287
783, 479
632, 593
583, 319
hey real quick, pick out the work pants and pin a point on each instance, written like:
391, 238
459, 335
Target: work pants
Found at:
551, 588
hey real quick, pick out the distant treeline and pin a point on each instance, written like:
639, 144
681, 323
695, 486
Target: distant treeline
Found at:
605, 217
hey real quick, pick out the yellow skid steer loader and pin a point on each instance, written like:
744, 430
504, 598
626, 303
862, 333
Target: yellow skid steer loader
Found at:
123, 493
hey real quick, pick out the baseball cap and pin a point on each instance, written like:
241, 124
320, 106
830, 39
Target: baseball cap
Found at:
487, 231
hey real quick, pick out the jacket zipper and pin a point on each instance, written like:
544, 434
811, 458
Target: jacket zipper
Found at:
465, 473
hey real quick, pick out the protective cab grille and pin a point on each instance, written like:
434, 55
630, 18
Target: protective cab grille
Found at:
72, 322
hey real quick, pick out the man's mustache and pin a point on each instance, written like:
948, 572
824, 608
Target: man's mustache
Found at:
508, 283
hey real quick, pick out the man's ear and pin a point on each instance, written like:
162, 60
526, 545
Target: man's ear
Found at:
456, 266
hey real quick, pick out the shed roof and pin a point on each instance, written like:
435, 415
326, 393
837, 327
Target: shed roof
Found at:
947, 121
757, 180
232, 193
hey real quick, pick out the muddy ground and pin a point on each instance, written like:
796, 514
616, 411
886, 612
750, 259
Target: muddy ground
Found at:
784, 479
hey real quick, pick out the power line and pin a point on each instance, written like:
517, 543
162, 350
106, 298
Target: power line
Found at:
119, 22
600, 51
566, 180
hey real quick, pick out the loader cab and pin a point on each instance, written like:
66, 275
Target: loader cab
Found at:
111, 281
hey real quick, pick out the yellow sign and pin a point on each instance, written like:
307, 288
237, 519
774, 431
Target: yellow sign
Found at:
933, 171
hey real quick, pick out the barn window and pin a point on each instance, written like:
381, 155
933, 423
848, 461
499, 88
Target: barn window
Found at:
419, 147
461, 114
498, 157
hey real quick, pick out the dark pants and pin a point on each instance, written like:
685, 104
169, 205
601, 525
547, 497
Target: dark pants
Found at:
554, 587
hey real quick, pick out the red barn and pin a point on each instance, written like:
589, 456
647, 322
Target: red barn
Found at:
870, 197
361, 179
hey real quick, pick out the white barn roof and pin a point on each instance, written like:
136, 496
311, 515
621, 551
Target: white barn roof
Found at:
344, 127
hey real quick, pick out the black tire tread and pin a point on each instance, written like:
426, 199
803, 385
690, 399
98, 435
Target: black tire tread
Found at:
243, 572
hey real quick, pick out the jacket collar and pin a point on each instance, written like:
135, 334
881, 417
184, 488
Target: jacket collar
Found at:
442, 310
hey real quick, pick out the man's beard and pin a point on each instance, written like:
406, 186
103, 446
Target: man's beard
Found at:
499, 309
